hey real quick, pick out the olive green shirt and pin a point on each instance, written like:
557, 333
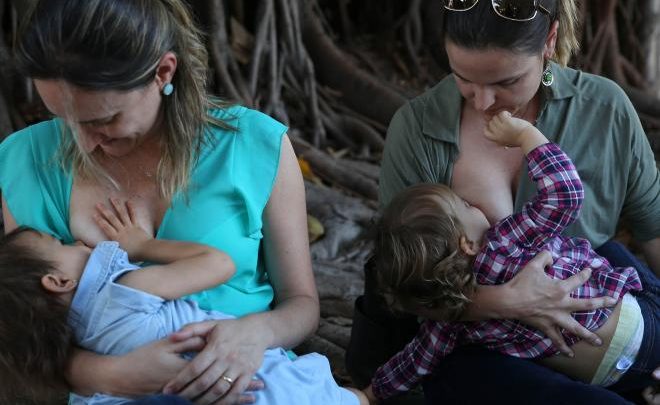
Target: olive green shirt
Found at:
591, 119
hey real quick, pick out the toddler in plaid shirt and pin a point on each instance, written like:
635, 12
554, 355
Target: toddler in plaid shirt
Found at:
433, 247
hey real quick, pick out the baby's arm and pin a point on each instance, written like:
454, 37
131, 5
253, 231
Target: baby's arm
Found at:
184, 267
507, 130
559, 193
417, 359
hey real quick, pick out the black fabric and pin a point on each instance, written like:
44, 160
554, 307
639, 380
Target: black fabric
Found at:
376, 334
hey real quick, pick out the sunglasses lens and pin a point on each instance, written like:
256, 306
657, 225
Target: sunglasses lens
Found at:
459, 5
515, 9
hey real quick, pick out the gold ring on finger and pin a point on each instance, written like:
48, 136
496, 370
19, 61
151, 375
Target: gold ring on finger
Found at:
228, 379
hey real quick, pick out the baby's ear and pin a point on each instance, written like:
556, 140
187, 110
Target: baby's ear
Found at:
467, 246
58, 283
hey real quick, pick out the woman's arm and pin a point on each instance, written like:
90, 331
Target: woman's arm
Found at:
533, 298
286, 248
235, 347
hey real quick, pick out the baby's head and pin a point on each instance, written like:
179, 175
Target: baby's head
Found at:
38, 276
425, 246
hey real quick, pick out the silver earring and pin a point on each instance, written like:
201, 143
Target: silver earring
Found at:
168, 89
547, 78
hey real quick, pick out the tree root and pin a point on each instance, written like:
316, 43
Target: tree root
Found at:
335, 171
360, 91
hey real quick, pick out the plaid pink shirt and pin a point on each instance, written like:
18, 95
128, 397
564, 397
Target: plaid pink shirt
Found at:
511, 243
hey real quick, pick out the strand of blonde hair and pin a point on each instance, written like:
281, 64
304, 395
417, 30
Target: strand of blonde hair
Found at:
567, 36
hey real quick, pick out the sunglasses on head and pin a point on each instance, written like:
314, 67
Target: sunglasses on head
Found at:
516, 10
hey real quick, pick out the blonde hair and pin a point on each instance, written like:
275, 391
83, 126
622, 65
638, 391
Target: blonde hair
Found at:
62, 40
567, 36
418, 258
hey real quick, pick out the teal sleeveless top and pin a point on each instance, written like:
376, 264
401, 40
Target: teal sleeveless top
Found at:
229, 187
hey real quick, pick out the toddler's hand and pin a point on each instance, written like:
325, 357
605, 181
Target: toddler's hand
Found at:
118, 224
507, 130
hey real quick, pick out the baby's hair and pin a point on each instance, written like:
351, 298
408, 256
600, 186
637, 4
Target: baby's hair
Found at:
418, 257
35, 339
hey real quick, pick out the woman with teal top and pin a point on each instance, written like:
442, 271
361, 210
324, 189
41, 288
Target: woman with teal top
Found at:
126, 81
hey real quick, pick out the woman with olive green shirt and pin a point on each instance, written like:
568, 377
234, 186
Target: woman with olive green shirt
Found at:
503, 60
594, 122
588, 116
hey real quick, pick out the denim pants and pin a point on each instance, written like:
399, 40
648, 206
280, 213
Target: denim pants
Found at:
474, 375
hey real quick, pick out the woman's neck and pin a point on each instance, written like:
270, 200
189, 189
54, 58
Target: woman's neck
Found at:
135, 170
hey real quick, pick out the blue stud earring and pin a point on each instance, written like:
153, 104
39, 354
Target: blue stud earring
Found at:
168, 89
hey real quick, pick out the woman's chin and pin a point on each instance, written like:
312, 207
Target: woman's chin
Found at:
114, 152
117, 148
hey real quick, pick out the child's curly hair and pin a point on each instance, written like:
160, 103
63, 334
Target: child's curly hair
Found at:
418, 258
35, 339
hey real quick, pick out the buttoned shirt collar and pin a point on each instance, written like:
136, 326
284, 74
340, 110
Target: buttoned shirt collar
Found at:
444, 100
